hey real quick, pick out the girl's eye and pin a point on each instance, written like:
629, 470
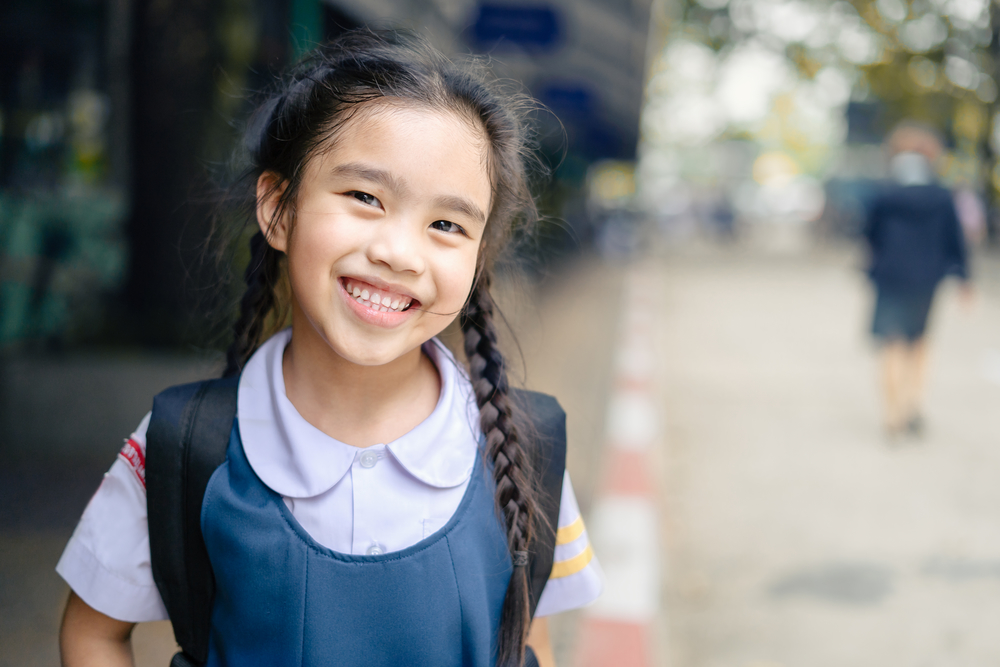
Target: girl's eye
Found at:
448, 227
365, 198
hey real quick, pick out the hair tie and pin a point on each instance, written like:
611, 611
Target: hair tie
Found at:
520, 558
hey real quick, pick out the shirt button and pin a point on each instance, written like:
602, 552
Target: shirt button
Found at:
374, 550
368, 460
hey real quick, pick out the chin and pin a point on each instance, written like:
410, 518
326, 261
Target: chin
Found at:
363, 351
373, 361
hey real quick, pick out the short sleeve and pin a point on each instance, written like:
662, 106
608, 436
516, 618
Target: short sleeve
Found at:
107, 561
576, 578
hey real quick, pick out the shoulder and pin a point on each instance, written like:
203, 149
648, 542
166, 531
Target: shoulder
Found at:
542, 411
576, 578
931, 192
543, 425
913, 199
542, 405
892, 195
943, 196
107, 560
175, 408
170, 403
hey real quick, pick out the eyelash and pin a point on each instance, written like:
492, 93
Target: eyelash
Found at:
457, 227
364, 196
372, 200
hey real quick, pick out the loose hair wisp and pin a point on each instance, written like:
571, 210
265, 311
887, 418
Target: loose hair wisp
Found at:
301, 117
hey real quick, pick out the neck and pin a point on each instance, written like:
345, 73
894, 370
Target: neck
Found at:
358, 405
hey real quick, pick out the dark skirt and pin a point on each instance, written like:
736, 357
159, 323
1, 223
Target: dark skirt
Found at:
901, 314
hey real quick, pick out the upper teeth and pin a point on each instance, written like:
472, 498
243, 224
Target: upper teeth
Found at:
377, 301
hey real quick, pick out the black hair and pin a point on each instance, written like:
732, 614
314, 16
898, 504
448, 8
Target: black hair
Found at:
300, 117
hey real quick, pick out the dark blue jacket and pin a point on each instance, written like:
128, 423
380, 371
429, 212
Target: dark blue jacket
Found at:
915, 238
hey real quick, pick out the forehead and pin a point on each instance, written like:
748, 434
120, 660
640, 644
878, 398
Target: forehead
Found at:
392, 112
403, 137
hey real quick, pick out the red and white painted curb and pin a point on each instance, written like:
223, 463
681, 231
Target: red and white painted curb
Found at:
624, 525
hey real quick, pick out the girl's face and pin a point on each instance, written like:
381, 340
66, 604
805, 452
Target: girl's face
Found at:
382, 252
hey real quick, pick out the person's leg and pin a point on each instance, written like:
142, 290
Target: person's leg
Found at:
916, 380
919, 308
894, 355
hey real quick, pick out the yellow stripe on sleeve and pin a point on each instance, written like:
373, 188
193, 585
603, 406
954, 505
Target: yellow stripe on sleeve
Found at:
564, 568
569, 533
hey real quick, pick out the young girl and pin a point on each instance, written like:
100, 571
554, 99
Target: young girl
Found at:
378, 501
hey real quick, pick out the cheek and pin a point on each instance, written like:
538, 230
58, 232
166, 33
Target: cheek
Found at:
304, 260
317, 242
457, 276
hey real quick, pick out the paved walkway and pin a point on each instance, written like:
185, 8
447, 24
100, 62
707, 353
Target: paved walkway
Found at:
795, 536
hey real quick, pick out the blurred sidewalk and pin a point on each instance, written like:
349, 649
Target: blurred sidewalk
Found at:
795, 535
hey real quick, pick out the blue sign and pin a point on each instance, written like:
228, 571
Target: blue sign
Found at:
590, 133
569, 98
530, 25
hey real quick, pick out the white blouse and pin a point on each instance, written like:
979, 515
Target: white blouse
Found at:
371, 500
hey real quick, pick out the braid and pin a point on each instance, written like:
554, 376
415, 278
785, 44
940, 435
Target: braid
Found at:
512, 470
258, 301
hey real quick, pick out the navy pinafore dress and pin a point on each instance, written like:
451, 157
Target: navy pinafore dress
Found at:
282, 599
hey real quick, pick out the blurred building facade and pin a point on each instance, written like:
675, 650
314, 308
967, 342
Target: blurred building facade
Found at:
117, 118
110, 112
62, 201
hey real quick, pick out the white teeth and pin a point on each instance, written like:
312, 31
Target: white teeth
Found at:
377, 302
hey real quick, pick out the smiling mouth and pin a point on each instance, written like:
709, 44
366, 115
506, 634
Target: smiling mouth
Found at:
381, 301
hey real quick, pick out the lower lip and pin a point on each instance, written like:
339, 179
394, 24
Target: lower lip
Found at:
386, 320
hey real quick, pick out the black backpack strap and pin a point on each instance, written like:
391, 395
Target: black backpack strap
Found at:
177, 474
548, 422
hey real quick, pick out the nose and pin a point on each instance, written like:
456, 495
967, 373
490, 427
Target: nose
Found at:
397, 244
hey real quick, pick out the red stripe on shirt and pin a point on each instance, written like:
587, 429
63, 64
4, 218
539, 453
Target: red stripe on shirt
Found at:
136, 460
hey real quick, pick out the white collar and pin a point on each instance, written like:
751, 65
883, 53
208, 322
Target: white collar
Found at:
297, 460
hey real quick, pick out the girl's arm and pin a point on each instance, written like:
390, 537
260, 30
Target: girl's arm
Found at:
538, 640
88, 638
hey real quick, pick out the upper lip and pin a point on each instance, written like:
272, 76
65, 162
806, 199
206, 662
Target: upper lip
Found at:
381, 285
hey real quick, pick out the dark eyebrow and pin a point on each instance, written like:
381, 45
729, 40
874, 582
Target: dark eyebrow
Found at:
463, 206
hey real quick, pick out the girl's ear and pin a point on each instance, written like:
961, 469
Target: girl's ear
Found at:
270, 187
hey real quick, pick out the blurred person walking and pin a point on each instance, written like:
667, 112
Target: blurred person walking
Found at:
916, 240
